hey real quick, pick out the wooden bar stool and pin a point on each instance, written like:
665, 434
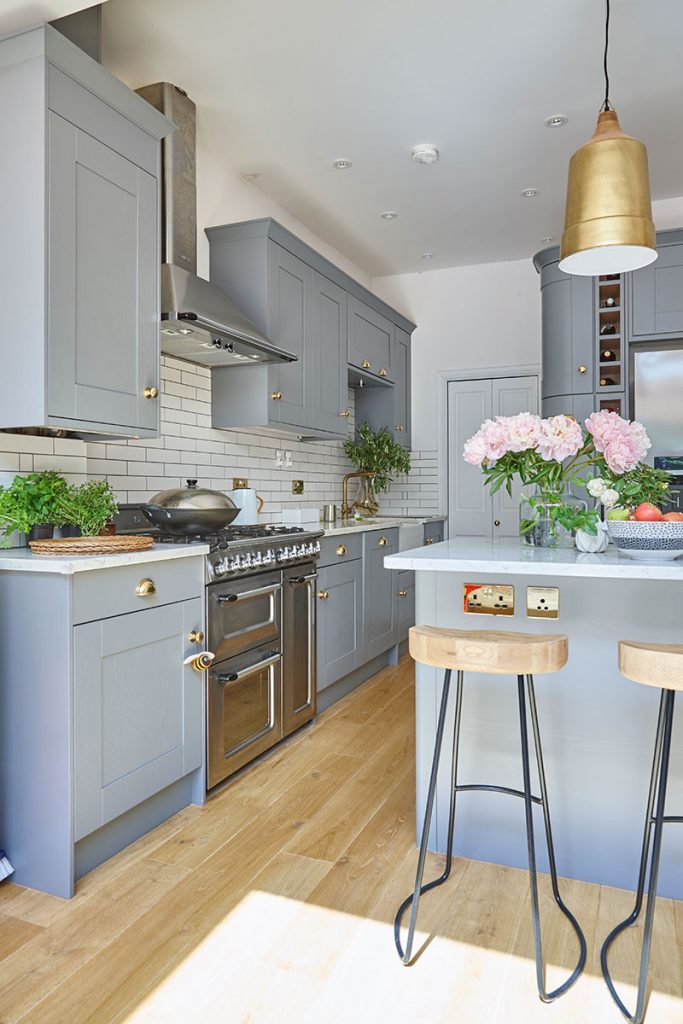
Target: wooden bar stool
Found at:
501, 653
659, 665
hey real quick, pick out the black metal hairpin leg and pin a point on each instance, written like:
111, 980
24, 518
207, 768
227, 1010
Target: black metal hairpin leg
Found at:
547, 997
658, 782
414, 899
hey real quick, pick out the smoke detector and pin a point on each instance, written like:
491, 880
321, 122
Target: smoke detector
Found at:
425, 153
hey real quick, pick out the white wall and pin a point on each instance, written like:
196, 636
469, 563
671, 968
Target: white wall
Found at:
468, 317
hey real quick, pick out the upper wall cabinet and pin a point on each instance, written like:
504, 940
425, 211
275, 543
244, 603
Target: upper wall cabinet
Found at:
656, 293
389, 407
80, 260
568, 326
304, 303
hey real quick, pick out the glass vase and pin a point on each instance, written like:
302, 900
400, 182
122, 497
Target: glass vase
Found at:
365, 502
539, 519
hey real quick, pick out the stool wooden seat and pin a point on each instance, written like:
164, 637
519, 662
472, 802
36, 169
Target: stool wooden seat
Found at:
659, 665
484, 650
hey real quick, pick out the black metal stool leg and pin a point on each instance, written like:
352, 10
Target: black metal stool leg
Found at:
658, 783
414, 898
548, 997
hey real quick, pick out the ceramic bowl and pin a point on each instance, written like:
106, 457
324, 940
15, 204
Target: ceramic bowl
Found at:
647, 541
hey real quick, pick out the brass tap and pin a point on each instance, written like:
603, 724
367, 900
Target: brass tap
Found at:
347, 509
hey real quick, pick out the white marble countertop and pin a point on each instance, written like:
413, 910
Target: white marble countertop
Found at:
23, 559
509, 555
380, 523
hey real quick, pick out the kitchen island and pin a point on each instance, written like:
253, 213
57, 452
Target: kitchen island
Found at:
597, 727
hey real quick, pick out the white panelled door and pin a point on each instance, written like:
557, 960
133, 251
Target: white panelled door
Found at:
472, 511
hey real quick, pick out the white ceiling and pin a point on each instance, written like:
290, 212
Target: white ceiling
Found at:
284, 88
18, 14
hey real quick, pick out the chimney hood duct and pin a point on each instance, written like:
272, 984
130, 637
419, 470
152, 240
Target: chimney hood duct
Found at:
199, 322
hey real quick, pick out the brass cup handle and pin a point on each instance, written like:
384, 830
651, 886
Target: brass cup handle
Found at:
341, 550
276, 396
382, 372
151, 392
323, 595
383, 542
196, 637
582, 369
366, 364
200, 662
146, 588
403, 593
429, 540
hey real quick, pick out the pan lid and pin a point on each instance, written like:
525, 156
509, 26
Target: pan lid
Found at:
192, 497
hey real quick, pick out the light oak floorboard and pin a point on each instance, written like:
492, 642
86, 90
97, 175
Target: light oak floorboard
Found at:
275, 903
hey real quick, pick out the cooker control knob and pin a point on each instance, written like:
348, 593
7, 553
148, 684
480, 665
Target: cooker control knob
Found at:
317, 547
245, 561
219, 568
301, 551
310, 548
269, 557
258, 559
284, 554
235, 564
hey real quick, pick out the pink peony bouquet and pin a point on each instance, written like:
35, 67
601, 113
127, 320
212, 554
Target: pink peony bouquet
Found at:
551, 453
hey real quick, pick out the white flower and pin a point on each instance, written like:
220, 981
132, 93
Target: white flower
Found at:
609, 497
596, 487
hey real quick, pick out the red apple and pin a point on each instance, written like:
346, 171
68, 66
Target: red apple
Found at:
673, 517
648, 513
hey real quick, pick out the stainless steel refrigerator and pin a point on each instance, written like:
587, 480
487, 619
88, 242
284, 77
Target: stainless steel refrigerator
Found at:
657, 401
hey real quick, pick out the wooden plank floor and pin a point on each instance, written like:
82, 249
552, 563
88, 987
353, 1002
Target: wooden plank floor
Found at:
275, 903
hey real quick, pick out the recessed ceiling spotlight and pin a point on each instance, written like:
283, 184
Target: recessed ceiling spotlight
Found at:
529, 193
556, 121
342, 164
389, 215
425, 153
548, 239
427, 255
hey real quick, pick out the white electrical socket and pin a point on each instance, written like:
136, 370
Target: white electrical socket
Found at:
288, 458
278, 457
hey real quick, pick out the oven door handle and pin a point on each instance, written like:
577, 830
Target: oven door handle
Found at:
297, 580
245, 594
234, 677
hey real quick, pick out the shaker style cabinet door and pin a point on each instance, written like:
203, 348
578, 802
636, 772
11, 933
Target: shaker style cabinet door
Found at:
340, 621
370, 340
138, 719
103, 339
290, 311
657, 296
567, 328
511, 395
470, 402
380, 597
401, 368
326, 354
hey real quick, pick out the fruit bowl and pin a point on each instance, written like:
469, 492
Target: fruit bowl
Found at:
647, 541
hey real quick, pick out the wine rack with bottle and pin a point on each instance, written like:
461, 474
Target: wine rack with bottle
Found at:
611, 353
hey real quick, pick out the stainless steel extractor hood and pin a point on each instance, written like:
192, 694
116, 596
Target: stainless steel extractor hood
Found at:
199, 322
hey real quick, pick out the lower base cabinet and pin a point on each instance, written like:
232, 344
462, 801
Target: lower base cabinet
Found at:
137, 710
379, 592
406, 602
340, 621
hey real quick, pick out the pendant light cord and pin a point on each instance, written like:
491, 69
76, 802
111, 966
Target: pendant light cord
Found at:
606, 105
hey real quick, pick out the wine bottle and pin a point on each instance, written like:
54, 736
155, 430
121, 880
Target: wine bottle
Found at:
608, 356
608, 329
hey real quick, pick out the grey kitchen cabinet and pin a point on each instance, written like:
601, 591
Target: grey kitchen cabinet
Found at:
340, 620
655, 293
406, 602
389, 407
568, 331
578, 406
371, 337
380, 597
434, 532
290, 312
138, 718
79, 206
329, 385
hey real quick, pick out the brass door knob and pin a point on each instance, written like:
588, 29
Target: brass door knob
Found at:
366, 364
196, 637
496, 522
583, 369
151, 392
429, 540
146, 588
400, 428
323, 595
382, 542
341, 550
382, 372
345, 412
276, 396
403, 593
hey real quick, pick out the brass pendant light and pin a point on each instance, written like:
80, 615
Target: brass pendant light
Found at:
608, 226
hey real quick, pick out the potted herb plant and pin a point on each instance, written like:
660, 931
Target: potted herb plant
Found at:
32, 504
89, 507
375, 452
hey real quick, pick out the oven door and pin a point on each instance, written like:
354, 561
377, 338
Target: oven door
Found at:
298, 644
244, 614
244, 710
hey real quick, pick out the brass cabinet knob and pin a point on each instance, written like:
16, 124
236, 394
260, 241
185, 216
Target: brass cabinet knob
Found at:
323, 595
382, 372
196, 637
366, 364
496, 522
383, 542
403, 593
341, 550
276, 396
429, 540
151, 392
345, 412
146, 588
583, 369
400, 428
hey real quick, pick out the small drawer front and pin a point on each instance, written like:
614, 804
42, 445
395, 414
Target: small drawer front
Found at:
385, 541
434, 532
344, 547
129, 588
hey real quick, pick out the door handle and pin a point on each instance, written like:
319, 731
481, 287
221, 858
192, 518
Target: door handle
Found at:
496, 522
582, 369
323, 595
146, 588
245, 594
152, 392
383, 542
296, 580
234, 677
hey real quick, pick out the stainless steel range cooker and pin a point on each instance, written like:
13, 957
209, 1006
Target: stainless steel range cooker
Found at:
260, 618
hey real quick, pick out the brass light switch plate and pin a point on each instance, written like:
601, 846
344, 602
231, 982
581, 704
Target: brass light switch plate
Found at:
488, 599
297, 487
543, 602
239, 483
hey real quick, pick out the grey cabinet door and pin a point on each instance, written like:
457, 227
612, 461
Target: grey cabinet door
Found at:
326, 366
510, 396
290, 311
401, 396
380, 597
370, 340
340, 621
470, 402
406, 602
103, 338
656, 296
568, 329
137, 717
